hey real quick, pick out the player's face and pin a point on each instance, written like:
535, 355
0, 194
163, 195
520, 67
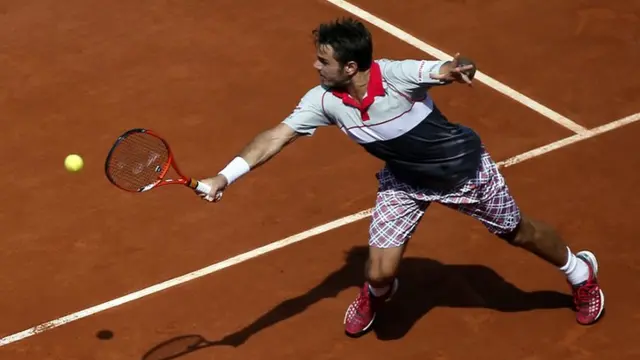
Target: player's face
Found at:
332, 74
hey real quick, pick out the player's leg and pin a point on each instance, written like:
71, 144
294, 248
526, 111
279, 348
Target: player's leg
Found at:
393, 222
580, 269
487, 198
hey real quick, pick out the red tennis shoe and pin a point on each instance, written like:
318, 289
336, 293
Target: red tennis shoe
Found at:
362, 311
588, 298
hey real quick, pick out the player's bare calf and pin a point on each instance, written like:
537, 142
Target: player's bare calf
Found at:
581, 268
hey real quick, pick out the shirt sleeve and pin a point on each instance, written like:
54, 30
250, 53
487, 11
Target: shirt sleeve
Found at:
411, 73
308, 114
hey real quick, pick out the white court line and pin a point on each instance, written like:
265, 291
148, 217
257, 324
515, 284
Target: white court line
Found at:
440, 55
570, 140
285, 242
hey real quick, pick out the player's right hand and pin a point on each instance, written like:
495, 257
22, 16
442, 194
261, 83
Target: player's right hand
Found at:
217, 184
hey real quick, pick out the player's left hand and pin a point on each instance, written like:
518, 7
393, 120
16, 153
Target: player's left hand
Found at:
460, 69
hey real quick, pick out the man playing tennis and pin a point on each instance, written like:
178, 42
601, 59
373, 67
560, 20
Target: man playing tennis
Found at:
384, 106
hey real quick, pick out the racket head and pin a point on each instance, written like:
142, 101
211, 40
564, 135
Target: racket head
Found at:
139, 160
176, 347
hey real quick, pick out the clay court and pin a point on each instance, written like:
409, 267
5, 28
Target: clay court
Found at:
92, 272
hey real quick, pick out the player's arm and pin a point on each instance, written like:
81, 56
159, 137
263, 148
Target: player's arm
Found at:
267, 144
303, 121
259, 150
417, 74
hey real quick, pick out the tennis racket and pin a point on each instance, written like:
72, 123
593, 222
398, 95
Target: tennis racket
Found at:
140, 160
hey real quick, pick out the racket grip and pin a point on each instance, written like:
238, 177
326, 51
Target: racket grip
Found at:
203, 188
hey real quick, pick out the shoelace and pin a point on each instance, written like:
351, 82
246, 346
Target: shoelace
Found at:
584, 296
362, 306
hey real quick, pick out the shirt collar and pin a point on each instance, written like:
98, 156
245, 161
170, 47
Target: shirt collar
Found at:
374, 88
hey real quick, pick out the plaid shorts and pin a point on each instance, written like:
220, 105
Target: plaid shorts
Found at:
399, 206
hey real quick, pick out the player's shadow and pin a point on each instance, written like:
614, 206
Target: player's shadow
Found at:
424, 285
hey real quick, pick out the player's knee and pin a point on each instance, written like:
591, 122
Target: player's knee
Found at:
515, 235
526, 232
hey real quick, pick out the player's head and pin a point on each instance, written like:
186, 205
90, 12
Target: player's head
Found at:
343, 48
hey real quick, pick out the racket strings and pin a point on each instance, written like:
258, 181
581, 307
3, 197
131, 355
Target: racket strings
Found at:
176, 348
138, 160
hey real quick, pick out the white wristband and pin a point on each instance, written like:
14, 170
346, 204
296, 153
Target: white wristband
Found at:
235, 169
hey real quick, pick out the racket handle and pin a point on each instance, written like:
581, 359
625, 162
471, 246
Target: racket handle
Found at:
203, 188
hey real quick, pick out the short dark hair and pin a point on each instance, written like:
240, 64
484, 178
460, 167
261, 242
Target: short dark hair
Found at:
350, 40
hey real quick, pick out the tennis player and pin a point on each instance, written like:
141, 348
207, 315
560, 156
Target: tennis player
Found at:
384, 106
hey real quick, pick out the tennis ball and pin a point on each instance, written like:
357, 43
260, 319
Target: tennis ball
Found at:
73, 163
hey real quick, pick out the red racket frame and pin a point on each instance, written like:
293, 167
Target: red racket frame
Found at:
170, 163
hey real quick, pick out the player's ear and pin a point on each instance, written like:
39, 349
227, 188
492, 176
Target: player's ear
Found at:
351, 68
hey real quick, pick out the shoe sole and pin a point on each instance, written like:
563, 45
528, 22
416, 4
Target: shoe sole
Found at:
591, 258
394, 289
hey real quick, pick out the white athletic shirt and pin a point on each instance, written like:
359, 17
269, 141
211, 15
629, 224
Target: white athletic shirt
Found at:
397, 122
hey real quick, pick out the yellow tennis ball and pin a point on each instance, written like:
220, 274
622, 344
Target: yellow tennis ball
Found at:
73, 163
